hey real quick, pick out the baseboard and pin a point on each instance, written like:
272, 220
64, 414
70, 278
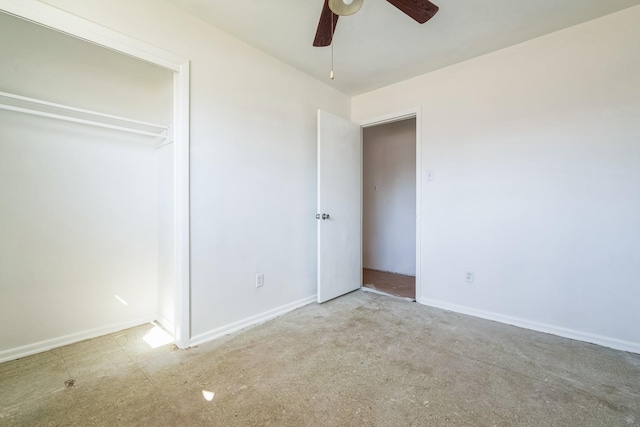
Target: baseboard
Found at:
166, 324
39, 347
604, 341
249, 321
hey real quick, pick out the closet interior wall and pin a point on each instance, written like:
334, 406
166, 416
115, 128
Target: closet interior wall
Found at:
85, 213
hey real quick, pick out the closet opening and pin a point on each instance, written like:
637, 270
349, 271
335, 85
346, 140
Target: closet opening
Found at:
89, 189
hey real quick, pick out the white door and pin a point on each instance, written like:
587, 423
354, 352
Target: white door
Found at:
339, 206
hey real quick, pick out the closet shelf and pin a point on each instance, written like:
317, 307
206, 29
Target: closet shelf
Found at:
162, 131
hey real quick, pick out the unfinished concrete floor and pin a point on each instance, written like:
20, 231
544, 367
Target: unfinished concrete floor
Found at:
363, 359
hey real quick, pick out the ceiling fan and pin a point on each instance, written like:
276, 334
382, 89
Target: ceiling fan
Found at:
420, 10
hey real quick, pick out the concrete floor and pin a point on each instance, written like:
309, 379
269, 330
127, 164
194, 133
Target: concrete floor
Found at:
363, 359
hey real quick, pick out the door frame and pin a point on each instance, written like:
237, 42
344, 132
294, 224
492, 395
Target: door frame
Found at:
59, 20
411, 113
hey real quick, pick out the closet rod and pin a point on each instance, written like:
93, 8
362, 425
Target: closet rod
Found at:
81, 121
79, 110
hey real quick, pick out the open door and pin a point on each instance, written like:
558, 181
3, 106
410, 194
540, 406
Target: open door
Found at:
339, 206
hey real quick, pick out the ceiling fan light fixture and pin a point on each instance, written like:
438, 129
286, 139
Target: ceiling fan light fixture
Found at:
345, 7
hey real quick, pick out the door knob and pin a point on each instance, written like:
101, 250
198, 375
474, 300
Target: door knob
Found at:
324, 216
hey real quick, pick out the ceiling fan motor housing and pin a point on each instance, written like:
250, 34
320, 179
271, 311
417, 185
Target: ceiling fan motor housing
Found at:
341, 8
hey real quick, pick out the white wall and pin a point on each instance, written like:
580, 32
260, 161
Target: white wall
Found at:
536, 154
389, 197
166, 237
253, 163
78, 205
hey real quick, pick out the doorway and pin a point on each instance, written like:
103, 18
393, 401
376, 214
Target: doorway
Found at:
340, 201
389, 208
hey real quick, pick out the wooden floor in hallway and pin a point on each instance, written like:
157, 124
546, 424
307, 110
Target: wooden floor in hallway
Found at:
389, 283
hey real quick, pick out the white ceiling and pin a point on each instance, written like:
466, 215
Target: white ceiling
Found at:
380, 45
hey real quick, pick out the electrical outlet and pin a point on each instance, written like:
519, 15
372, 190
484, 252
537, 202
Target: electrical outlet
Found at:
469, 277
259, 280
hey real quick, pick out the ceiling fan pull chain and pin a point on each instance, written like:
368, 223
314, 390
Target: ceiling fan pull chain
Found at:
332, 42
331, 74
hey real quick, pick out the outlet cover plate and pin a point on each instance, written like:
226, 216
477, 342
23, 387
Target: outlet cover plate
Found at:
469, 277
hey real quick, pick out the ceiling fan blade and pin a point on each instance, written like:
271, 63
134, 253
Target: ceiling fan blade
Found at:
420, 10
324, 35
